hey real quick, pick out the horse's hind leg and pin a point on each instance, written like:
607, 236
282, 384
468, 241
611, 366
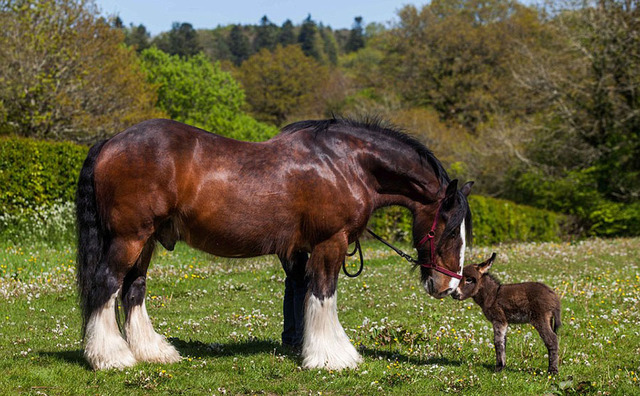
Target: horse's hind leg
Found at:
145, 343
325, 344
104, 346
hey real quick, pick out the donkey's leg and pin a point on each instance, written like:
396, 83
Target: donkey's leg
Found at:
500, 343
550, 341
104, 346
145, 343
325, 344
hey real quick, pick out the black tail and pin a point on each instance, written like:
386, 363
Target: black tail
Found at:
556, 320
91, 235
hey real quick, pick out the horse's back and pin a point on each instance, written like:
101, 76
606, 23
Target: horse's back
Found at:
153, 169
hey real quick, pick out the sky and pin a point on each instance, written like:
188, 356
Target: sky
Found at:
158, 15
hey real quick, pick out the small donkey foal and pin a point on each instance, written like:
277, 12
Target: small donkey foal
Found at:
529, 302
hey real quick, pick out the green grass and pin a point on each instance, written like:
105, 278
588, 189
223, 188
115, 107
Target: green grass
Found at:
224, 316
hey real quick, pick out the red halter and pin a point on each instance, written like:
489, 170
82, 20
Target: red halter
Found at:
430, 237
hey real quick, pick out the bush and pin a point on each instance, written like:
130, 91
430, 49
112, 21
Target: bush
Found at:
576, 194
37, 173
498, 220
494, 221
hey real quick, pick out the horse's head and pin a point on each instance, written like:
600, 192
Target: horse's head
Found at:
440, 231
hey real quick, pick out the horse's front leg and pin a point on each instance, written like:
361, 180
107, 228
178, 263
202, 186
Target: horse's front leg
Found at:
325, 343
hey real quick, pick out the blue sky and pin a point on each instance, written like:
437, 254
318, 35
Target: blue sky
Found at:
158, 15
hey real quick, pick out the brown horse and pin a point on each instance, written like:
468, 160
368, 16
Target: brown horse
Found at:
309, 190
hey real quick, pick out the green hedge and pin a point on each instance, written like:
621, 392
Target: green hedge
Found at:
494, 221
35, 173
498, 220
39, 174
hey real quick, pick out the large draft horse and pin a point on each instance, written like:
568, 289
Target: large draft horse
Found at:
309, 190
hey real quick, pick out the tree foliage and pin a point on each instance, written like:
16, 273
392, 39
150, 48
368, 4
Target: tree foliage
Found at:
287, 35
356, 36
199, 93
239, 45
181, 40
137, 37
454, 56
266, 35
594, 106
309, 40
64, 73
282, 83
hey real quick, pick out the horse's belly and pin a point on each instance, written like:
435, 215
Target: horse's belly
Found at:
238, 235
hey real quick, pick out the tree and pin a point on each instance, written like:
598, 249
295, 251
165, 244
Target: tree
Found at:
137, 37
181, 40
455, 55
356, 36
329, 45
64, 73
238, 45
308, 39
197, 92
282, 83
266, 35
587, 83
287, 35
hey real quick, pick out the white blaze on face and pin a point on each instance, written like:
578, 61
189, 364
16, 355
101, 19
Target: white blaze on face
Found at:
453, 283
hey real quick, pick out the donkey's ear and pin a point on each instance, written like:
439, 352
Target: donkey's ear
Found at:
466, 189
486, 265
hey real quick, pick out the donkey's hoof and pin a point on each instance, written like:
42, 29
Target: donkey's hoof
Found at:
498, 369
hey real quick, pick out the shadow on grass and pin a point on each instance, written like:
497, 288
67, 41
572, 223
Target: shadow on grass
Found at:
376, 353
197, 349
202, 349
73, 357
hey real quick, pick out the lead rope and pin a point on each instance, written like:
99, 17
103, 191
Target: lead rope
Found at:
358, 249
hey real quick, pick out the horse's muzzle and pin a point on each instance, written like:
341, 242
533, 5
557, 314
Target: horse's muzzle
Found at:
431, 288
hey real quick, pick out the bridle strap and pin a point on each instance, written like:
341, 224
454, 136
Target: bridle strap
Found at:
430, 237
427, 238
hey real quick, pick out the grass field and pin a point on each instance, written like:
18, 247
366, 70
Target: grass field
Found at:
224, 316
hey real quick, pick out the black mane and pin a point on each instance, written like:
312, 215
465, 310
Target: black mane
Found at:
376, 125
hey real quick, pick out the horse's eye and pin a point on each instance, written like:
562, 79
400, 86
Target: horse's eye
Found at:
469, 280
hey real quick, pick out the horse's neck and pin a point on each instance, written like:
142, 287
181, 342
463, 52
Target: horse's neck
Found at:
402, 180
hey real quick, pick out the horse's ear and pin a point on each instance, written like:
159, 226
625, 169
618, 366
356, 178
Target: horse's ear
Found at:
452, 187
466, 189
486, 265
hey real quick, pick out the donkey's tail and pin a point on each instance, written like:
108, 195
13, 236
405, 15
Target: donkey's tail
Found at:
556, 319
91, 234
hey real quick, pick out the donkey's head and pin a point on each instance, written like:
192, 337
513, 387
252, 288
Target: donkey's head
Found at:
440, 233
472, 279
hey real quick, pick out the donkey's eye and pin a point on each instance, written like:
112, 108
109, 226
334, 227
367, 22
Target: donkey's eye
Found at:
469, 280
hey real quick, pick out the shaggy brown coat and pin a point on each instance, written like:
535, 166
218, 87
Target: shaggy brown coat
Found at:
529, 302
